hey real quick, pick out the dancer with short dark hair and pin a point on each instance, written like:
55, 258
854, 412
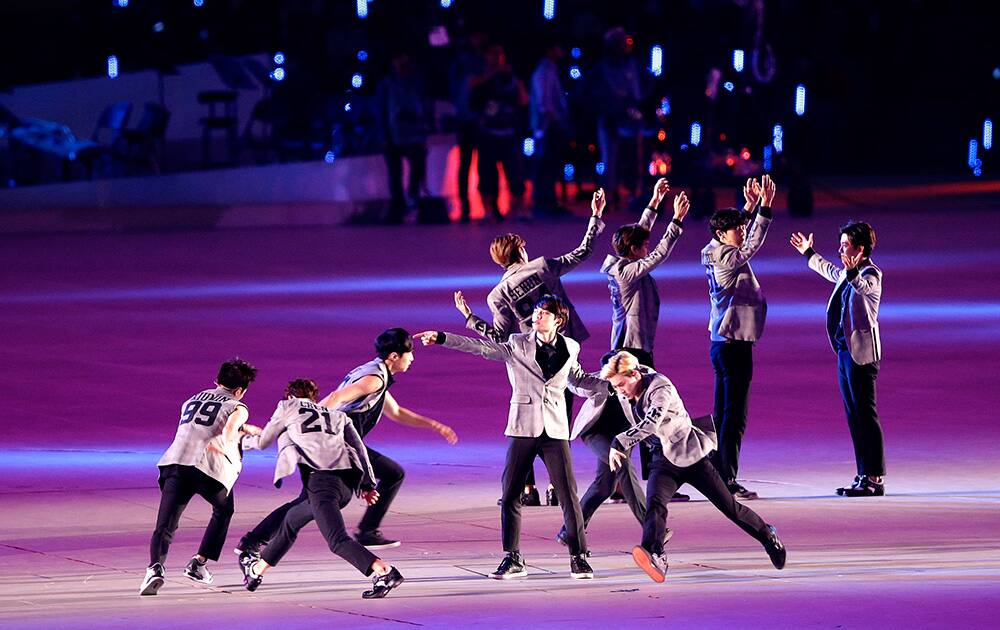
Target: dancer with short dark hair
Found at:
852, 326
203, 459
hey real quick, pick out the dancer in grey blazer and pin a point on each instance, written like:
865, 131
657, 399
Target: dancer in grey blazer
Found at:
852, 326
680, 456
737, 319
540, 365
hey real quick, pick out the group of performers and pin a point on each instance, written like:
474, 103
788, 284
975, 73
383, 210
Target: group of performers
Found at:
536, 333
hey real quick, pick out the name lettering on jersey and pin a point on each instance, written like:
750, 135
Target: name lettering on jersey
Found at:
525, 287
211, 397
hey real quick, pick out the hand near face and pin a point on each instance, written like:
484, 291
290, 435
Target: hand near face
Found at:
428, 337
801, 242
851, 262
462, 305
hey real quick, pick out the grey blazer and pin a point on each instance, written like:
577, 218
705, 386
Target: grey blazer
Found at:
738, 305
635, 301
660, 412
860, 317
536, 405
513, 299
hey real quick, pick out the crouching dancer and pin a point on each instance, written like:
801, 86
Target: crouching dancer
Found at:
333, 462
203, 459
540, 366
680, 456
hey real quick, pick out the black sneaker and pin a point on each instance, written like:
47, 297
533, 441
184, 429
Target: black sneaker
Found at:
579, 568
382, 584
248, 545
375, 540
775, 548
153, 580
738, 491
198, 572
512, 566
680, 497
531, 498
250, 579
866, 488
853, 486
550, 496
654, 564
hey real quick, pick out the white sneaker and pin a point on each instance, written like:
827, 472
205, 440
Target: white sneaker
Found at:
153, 580
198, 572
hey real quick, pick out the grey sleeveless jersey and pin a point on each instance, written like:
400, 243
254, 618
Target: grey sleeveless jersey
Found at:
203, 417
314, 435
367, 410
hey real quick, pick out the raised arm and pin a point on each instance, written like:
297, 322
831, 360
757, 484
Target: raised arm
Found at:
476, 323
804, 245
638, 268
660, 190
586, 384
402, 415
568, 262
482, 347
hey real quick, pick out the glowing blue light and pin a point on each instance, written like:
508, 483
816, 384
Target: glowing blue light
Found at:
329, 157
996, 73
357, 80
656, 61
279, 58
768, 158
347, 107
199, 3
695, 134
568, 172
113, 67
978, 171
987, 134
362, 55
778, 137
738, 60
973, 150
729, 86
800, 100
278, 74
549, 9
122, 3
576, 53
574, 72
445, 4
529, 147
362, 9
665, 106
599, 168
158, 27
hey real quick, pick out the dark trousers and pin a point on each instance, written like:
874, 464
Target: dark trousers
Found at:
178, 485
598, 440
328, 493
665, 478
857, 386
268, 528
390, 477
550, 151
733, 364
467, 132
521, 452
416, 155
507, 151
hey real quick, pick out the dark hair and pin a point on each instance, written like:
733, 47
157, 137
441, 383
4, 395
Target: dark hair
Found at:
236, 373
554, 305
628, 236
726, 219
861, 235
302, 388
393, 340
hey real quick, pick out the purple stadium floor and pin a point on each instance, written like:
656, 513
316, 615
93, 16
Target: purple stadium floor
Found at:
105, 334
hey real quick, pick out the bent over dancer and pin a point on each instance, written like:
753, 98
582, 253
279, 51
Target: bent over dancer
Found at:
682, 446
333, 463
540, 365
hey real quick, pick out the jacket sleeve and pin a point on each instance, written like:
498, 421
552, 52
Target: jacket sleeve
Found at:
481, 326
647, 219
586, 384
504, 322
868, 282
353, 439
634, 270
825, 268
729, 257
482, 347
568, 262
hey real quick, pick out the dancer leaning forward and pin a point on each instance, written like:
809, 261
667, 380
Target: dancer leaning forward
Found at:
680, 455
333, 462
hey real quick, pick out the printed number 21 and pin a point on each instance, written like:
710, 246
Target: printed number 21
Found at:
310, 425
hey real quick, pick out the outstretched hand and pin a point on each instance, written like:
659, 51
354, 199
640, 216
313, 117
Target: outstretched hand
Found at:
427, 338
660, 190
801, 242
681, 206
767, 190
616, 459
598, 203
447, 433
462, 305
751, 193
